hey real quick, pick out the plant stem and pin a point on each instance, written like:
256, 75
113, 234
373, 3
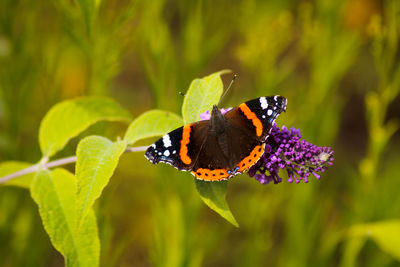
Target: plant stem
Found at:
55, 163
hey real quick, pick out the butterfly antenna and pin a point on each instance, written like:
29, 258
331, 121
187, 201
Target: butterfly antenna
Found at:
227, 89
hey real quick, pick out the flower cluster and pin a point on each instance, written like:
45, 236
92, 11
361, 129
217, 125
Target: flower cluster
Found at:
207, 115
284, 149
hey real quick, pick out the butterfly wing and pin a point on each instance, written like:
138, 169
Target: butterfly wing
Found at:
242, 145
180, 147
211, 163
257, 116
248, 126
215, 163
191, 148
214, 157
167, 149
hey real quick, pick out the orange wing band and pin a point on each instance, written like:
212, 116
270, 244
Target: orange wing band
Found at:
252, 116
222, 174
211, 175
252, 159
183, 152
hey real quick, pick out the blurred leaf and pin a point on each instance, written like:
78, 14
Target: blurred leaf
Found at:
69, 118
169, 235
202, 95
352, 248
97, 158
213, 194
55, 194
385, 233
152, 123
9, 167
88, 8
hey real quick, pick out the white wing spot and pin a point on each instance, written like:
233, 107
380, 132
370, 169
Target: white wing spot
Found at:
166, 140
153, 145
159, 153
173, 152
263, 102
263, 116
276, 98
269, 112
166, 153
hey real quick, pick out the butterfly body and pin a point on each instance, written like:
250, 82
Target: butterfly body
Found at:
223, 146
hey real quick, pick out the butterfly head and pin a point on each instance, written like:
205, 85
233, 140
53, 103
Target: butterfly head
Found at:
217, 120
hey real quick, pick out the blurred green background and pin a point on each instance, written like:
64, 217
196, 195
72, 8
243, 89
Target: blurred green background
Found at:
337, 62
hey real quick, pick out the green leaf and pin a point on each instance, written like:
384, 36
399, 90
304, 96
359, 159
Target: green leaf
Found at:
9, 167
152, 123
69, 118
89, 9
202, 95
55, 194
386, 234
97, 158
351, 249
213, 194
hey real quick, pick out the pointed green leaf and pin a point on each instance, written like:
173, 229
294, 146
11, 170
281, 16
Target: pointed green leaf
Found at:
386, 234
213, 194
202, 95
97, 158
351, 249
69, 118
55, 194
9, 167
89, 9
152, 123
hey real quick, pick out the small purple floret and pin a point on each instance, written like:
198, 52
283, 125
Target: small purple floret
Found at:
206, 115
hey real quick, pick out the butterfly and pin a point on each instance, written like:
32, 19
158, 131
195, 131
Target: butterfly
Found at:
223, 146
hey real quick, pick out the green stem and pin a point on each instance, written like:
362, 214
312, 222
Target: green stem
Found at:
55, 163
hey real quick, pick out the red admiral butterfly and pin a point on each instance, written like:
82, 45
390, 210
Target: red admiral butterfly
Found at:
225, 145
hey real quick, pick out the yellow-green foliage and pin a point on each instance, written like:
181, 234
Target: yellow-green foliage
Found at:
337, 62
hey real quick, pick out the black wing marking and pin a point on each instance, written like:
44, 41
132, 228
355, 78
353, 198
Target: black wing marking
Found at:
166, 150
266, 109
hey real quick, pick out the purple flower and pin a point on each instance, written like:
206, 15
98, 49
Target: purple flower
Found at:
206, 115
284, 149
